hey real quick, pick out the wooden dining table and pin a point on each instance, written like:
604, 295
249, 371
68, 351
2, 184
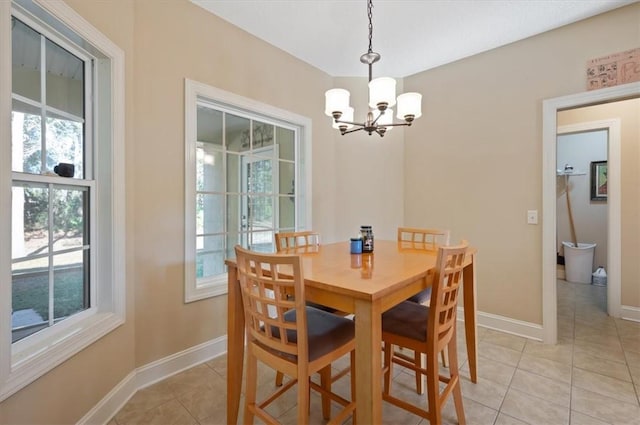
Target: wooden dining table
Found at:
363, 284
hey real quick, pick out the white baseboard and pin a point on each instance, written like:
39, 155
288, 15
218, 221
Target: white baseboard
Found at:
628, 312
102, 412
508, 325
149, 374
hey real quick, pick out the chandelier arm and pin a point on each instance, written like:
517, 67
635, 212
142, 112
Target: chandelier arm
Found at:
376, 120
351, 131
400, 124
350, 122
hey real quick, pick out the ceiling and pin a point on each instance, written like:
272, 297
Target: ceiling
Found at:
411, 36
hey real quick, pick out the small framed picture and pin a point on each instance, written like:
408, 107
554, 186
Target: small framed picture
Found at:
599, 181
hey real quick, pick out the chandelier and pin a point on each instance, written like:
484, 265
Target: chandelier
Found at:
382, 97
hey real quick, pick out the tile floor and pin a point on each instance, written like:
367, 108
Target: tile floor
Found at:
592, 376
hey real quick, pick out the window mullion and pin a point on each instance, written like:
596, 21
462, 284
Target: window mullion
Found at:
43, 105
50, 242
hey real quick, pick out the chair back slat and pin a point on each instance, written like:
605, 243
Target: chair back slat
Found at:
266, 282
424, 238
444, 294
302, 239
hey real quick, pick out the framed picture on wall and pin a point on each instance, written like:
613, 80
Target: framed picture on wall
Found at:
599, 181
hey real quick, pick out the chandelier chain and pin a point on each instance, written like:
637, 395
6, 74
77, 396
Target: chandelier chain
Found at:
370, 15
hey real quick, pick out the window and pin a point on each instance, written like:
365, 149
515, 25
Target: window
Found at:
244, 161
61, 276
51, 238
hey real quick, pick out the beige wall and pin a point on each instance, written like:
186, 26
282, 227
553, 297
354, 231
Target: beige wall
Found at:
473, 162
369, 172
173, 41
628, 111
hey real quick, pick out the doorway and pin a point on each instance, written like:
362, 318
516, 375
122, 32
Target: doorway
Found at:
551, 107
581, 206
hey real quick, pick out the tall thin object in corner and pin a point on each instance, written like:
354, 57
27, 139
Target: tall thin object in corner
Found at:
574, 238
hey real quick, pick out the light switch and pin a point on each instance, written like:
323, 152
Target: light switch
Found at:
532, 217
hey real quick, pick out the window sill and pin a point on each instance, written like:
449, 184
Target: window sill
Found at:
33, 361
211, 288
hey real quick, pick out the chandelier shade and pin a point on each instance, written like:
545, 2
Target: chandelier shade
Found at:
409, 105
382, 93
382, 97
347, 116
336, 100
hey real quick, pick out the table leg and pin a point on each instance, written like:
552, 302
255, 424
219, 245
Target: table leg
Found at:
368, 363
470, 305
235, 345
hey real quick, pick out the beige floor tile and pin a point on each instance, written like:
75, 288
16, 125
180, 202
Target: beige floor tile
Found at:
631, 343
492, 370
171, 412
628, 329
545, 367
205, 403
533, 409
613, 353
586, 361
604, 408
578, 418
219, 365
290, 417
199, 377
547, 389
561, 352
280, 405
144, 400
502, 339
503, 419
475, 413
596, 338
633, 360
484, 392
604, 385
565, 334
508, 356
395, 415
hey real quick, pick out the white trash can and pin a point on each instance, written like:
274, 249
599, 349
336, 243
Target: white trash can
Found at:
578, 262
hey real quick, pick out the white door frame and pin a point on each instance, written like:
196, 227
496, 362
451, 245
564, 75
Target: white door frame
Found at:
550, 109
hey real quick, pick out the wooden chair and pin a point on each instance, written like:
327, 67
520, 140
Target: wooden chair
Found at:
429, 330
302, 241
429, 239
285, 334
297, 240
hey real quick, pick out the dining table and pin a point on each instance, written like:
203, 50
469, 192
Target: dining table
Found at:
366, 285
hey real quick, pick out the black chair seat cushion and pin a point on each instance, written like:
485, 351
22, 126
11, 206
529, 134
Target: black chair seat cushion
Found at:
421, 297
407, 319
326, 332
321, 307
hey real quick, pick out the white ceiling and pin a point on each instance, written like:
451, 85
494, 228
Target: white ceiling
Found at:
411, 36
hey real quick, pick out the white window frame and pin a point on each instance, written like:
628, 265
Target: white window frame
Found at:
27, 360
193, 90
